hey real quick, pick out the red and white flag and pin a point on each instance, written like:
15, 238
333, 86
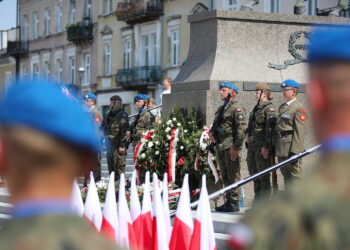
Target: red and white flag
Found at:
92, 209
77, 200
203, 233
166, 207
110, 215
160, 240
183, 224
146, 235
126, 235
135, 208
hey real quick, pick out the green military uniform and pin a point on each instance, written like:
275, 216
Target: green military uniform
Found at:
96, 116
291, 128
312, 214
115, 125
260, 134
54, 232
143, 122
230, 135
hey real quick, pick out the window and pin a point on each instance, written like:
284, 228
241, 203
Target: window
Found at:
127, 53
213, 4
71, 69
8, 79
59, 16
149, 49
47, 23
25, 27
35, 70
59, 69
311, 6
107, 6
87, 8
72, 12
174, 47
46, 69
107, 59
35, 25
24, 71
232, 4
272, 6
87, 67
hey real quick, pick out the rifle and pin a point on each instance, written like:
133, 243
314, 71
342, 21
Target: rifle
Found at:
133, 126
251, 124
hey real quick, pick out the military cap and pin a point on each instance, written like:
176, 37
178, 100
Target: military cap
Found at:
90, 96
70, 122
262, 86
115, 98
329, 44
229, 85
141, 97
290, 83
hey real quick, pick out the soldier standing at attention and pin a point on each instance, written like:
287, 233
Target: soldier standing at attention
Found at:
259, 139
314, 213
227, 133
291, 128
115, 125
144, 120
45, 148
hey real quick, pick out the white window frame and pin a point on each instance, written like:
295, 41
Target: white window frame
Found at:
149, 53
87, 8
311, 6
8, 79
174, 47
25, 28
87, 69
35, 70
59, 69
47, 69
71, 69
59, 18
72, 11
232, 4
107, 7
107, 59
35, 25
47, 22
268, 6
127, 52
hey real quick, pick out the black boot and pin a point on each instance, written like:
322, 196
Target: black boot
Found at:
228, 207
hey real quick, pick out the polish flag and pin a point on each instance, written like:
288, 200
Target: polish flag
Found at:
146, 239
77, 200
110, 216
166, 206
160, 240
135, 208
183, 224
203, 233
92, 209
126, 235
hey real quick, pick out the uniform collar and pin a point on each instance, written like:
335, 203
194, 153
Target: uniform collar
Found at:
338, 143
31, 208
290, 102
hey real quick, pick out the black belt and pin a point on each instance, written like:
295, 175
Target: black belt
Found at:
286, 133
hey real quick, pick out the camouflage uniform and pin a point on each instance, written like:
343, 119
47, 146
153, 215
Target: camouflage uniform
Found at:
261, 122
54, 232
291, 128
143, 123
311, 214
115, 125
231, 135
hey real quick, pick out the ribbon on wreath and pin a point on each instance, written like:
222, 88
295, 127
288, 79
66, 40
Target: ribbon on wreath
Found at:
172, 153
146, 136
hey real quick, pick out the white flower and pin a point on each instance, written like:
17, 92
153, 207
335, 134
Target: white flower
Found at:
157, 142
178, 124
168, 122
167, 129
182, 147
171, 125
150, 144
168, 137
152, 136
157, 152
166, 144
174, 119
143, 156
185, 131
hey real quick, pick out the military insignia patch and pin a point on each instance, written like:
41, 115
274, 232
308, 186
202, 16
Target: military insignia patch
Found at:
240, 117
272, 110
302, 117
238, 110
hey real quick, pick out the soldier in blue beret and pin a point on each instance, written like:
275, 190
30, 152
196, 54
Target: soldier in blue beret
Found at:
313, 213
227, 134
47, 143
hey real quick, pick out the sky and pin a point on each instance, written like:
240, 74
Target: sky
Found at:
7, 14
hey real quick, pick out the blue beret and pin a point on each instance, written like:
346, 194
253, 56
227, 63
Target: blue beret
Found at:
290, 83
229, 85
90, 96
329, 44
44, 106
141, 97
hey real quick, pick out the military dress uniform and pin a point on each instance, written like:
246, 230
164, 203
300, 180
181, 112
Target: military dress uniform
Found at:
260, 134
230, 135
291, 126
115, 125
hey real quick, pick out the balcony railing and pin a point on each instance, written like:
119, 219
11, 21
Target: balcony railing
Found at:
139, 76
138, 11
11, 40
325, 12
80, 32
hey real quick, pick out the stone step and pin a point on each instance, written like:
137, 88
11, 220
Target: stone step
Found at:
221, 241
5, 208
4, 218
4, 195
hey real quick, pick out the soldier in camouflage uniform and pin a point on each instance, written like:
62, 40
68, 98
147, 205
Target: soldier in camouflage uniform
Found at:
228, 134
41, 160
314, 212
291, 128
259, 139
144, 120
115, 126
